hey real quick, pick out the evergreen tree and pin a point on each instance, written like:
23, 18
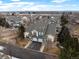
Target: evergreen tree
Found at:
64, 19
21, 31
64, 36
70, 44
3, 22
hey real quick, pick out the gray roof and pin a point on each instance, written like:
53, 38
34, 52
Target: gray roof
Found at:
39, 25
51, 29
25, 53
43, 26
13, 18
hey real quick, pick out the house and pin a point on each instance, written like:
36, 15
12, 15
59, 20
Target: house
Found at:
41, 28
13, 21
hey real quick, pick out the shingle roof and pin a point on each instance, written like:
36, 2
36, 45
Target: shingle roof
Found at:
13, 18
39, 25
25, 53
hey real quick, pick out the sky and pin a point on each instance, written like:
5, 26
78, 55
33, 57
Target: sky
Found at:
39, 5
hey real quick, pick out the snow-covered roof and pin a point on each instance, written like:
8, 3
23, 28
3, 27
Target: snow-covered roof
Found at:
2, 48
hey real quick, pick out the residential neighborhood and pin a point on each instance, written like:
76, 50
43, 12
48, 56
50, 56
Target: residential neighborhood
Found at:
38, 35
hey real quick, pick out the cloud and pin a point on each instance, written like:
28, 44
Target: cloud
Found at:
32, 6
15, 0
13, 6
1, 2
21, 3
40, 8
59, 1
49, 8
